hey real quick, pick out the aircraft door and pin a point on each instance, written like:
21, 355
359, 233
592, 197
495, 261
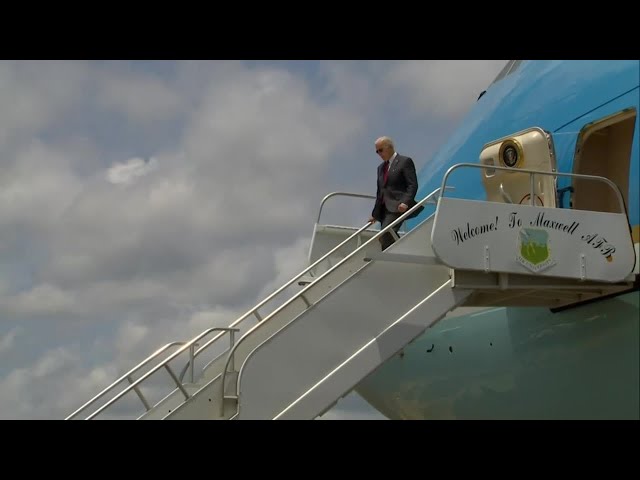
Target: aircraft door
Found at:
529, 149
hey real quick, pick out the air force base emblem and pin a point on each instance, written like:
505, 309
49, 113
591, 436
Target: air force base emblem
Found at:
534, 251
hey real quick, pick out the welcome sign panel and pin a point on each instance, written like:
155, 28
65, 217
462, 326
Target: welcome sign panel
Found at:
503, 237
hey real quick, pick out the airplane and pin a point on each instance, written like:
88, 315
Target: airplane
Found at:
512, 295
576, 362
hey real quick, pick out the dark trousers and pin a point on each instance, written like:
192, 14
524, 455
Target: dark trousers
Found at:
387, 239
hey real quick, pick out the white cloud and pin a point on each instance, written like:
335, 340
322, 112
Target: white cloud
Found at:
140, 97
127, 172
37, 186
428, 83
34, 93
42, 299
7, 341
51, 387
136, 240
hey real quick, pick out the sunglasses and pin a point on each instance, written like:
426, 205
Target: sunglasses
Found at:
379, 150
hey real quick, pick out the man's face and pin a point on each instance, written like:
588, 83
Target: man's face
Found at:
384, 150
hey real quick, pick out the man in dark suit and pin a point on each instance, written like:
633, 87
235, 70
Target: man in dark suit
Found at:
396, 188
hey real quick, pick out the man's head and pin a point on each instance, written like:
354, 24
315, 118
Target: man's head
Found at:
385, 148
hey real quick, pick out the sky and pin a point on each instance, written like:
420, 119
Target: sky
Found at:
142, 202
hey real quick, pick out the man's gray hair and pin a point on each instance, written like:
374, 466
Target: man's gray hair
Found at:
386, 140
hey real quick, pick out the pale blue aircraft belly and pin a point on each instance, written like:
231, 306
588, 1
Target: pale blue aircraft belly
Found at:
525, 362
512, 363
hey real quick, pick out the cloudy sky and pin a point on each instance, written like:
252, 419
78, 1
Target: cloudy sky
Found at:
143, 202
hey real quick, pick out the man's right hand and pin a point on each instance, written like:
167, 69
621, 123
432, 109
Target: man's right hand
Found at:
372, 220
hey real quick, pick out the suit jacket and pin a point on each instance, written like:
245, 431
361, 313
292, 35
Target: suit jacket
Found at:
401, 187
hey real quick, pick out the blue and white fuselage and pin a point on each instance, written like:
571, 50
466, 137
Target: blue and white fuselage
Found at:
526, 362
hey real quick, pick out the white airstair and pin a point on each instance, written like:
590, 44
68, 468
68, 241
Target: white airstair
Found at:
357, 306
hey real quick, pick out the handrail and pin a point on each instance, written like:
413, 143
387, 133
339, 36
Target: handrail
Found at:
254, 310
204, 347
532, 174
231, 329
231, 353
123, 377
158, 366
324, 200
346, 194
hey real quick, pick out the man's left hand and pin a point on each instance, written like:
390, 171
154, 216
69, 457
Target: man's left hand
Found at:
402, 208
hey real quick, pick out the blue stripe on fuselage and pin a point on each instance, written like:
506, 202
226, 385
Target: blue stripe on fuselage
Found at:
550, 94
